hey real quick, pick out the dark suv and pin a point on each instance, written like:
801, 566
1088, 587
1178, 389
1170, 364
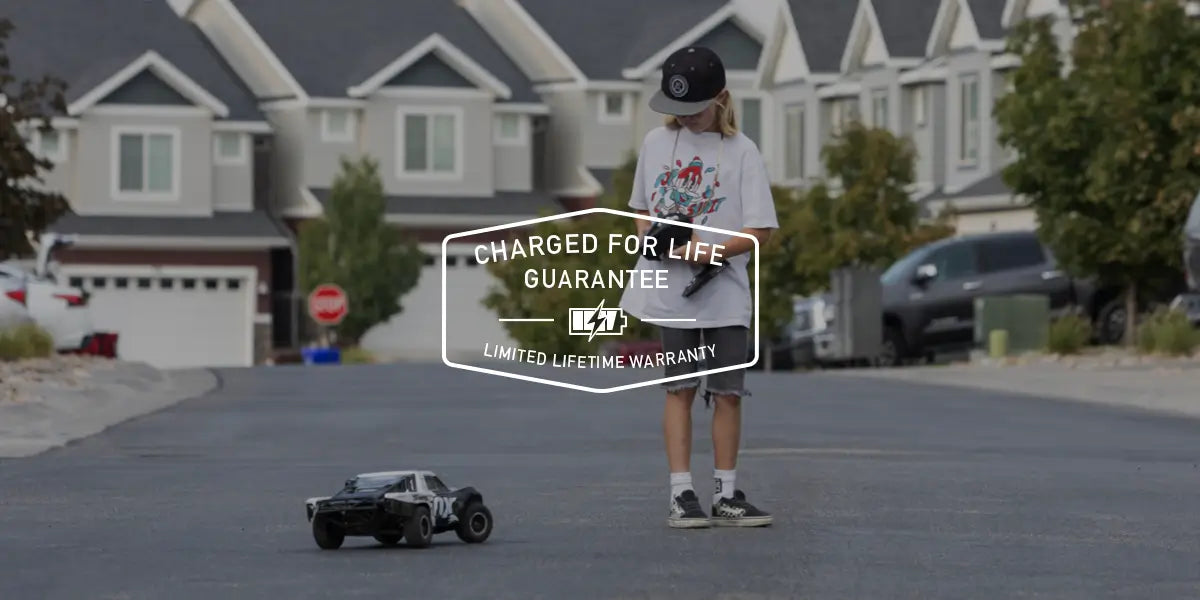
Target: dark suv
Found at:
929, 295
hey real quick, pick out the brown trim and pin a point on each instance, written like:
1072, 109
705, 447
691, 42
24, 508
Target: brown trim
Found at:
260, 260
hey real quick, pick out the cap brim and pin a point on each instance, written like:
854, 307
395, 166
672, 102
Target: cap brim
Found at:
660, 103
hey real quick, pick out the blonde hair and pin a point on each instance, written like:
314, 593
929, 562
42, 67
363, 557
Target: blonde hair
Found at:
726, 120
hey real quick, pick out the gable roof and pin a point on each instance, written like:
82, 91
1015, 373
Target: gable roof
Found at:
906, 25
87, 45
823, 27
604, 39
982, 18
989, 18
330, 47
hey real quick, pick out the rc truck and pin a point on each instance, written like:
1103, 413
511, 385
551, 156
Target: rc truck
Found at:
395, 505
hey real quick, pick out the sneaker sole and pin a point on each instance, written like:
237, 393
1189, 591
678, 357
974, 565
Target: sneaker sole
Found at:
678, 523
742, 522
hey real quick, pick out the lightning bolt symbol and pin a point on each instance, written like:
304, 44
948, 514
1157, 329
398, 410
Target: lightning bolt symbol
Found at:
596, 320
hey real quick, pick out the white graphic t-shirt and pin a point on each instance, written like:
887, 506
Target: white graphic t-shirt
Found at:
719, 181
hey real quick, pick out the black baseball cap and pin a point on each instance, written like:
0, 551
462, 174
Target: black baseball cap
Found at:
691, 79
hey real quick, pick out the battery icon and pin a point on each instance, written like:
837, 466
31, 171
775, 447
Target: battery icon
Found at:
597, 321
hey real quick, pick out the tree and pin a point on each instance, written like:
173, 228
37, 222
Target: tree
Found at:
24, 206
355, 248
1109, 149
510, 297
871, 221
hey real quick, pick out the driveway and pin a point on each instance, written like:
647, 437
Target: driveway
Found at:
882, 489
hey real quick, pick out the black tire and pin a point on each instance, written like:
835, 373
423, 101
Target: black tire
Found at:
418, 530
328, 535
1110, 322
475, 523
893, 351
389, 540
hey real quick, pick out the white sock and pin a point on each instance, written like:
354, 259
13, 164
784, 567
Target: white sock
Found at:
680, 482
723, 483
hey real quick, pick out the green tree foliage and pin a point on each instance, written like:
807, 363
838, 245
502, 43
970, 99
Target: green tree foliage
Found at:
353, 247
25, 105
869, 220
1109, 148
510, 297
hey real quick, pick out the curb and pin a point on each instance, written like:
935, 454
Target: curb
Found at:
113, 396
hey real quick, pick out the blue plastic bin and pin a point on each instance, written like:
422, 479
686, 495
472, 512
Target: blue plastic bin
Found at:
321, 356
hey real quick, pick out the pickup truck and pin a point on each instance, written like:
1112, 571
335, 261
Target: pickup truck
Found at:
929, 295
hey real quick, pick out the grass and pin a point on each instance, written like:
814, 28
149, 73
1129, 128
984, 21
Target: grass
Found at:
25, 342
357, 356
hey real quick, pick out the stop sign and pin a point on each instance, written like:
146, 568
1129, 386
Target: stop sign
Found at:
327, 304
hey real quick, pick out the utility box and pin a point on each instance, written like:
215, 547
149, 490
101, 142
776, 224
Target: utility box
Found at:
856, 328
1025, 318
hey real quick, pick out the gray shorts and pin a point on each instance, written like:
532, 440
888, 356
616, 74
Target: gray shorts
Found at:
730, 346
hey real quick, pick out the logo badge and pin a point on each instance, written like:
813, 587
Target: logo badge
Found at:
678, 86
597, 321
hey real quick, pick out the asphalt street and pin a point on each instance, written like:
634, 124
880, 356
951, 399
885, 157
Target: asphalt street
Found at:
880, 490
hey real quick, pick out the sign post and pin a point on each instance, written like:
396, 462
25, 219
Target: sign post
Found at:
328, 306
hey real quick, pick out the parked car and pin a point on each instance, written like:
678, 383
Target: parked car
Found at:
1189, 301
13, 309
929, 295
61, 310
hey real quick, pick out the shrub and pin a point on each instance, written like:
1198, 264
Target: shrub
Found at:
24, 342
1069, 334
1168, 332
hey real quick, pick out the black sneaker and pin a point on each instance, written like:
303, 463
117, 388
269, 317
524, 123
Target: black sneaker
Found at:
686, 511
736, 512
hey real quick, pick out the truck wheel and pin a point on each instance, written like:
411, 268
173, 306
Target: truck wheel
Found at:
475, 524
329, 536
1110, 322
388, 540
418, 530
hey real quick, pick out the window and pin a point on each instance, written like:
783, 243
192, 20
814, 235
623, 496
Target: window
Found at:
49, 145
879, 108
793, 153
509, 129
337, 125
229, 148
954, 261
919, 106
1004, 254
751, 120
430, 142
968, 119
845, 111
435, 485
614, 108
147, 163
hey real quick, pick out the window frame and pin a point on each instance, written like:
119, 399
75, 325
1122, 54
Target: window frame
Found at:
624, 116
920, 101
430, 111
880, 97
243, 141
330, 135
36, 143
960, 246
145, 195
796, 111
520, 138
969, 131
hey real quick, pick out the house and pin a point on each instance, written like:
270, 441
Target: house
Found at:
596, 65
459, 133
159, 156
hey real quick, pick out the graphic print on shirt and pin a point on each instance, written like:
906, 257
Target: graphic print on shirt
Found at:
680, 189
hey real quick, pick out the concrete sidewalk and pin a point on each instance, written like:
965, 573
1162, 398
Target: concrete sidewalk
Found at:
1166, 386
54, 409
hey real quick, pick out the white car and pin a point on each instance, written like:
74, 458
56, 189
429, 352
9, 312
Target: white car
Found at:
13, 309
61, 310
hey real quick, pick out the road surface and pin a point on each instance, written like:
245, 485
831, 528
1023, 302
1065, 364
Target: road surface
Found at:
882, 489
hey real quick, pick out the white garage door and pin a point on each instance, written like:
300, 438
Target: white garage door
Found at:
173, 317
417, 332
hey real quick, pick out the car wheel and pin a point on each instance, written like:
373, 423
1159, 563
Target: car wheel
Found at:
418, 531
388, 540
891, 351
329, 535
1110, 322
475, 524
